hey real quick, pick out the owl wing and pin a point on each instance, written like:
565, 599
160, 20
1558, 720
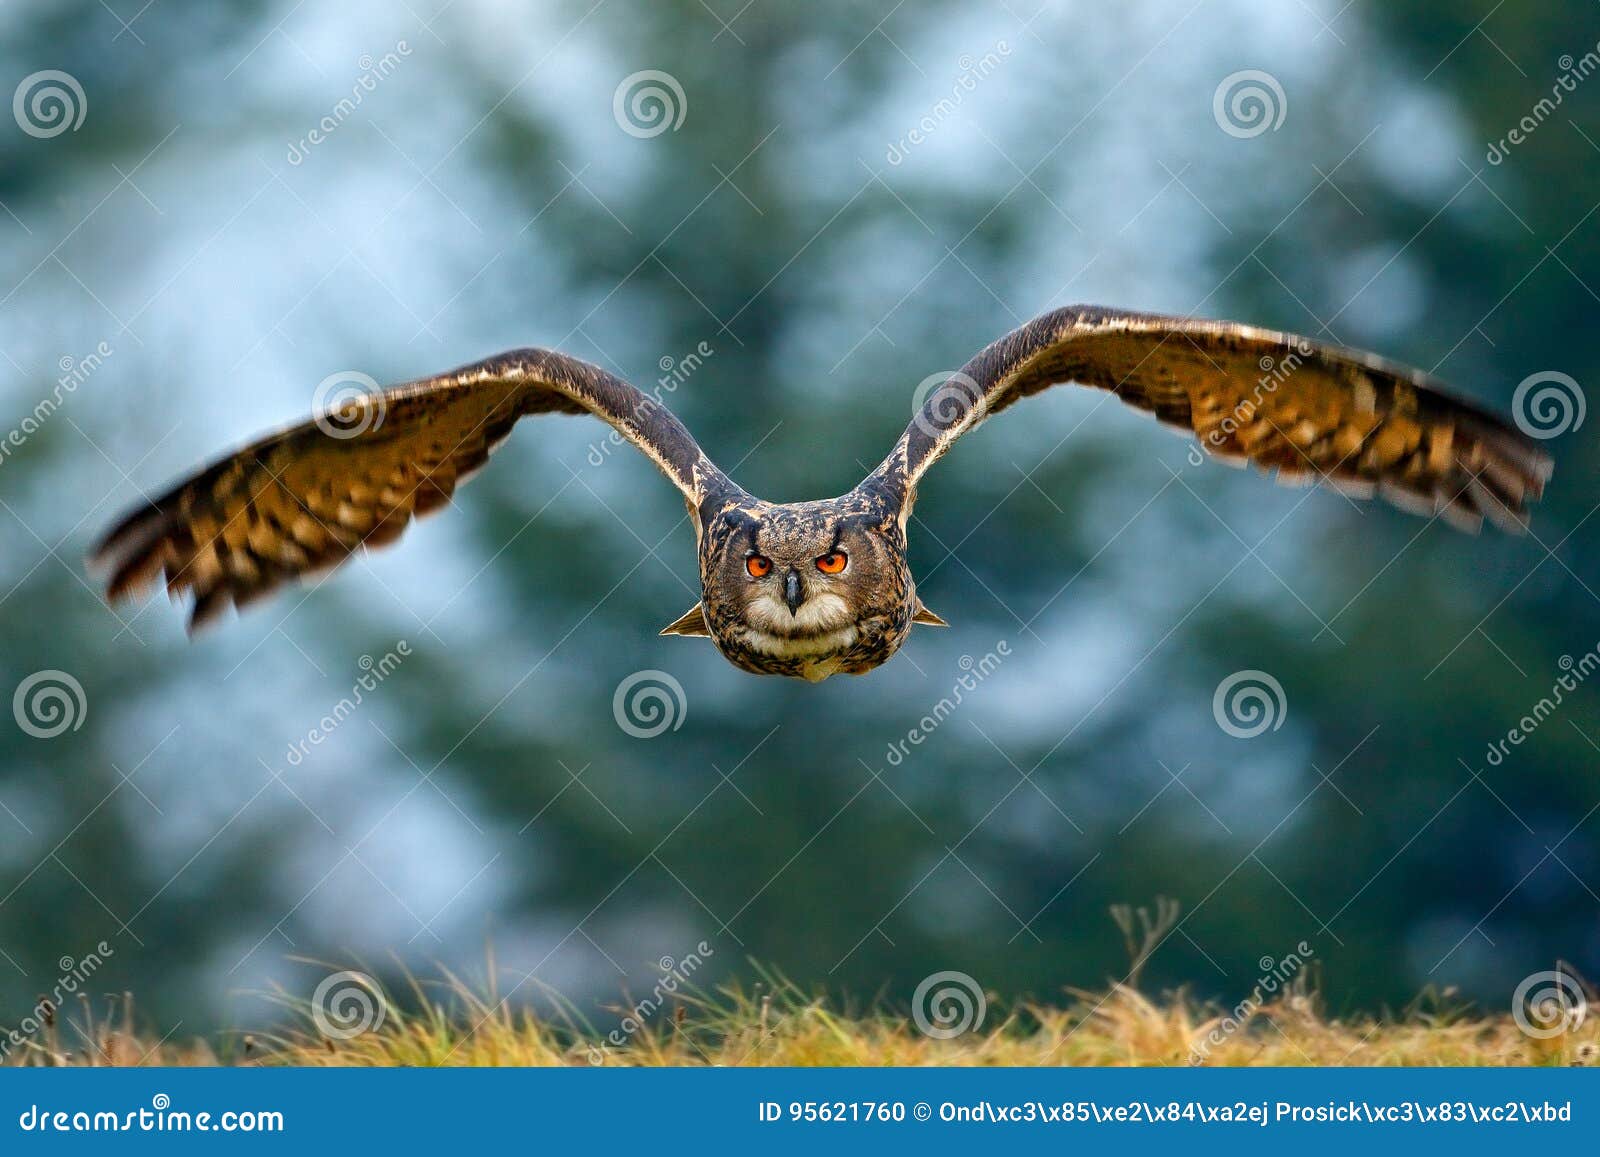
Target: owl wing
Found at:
305, 498
1306, 411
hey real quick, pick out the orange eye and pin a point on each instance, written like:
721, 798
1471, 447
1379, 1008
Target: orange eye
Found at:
759, 565
833, 563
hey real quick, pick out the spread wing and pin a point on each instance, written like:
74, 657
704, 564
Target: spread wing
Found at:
1308, 412
306, 497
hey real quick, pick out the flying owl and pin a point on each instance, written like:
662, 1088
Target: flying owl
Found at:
809, 589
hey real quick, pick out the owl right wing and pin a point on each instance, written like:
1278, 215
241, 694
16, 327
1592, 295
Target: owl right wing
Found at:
305, 498
1302, 410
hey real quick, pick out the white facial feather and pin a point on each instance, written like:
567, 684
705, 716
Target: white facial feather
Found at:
790, 647
820, 614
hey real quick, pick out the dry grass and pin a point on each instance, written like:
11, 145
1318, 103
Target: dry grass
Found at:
776, 1024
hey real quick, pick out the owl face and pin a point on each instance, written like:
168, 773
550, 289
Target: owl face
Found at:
802, 588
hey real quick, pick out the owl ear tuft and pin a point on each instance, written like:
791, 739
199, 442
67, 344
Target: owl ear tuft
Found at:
926, 617
692, 622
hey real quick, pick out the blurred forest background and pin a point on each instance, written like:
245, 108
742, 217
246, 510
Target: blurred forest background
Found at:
195, 263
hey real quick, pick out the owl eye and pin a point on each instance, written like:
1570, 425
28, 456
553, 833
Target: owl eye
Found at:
833, 562
759, 565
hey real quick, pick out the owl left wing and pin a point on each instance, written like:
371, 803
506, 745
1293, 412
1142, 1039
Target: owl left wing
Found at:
305, 498
1306, 411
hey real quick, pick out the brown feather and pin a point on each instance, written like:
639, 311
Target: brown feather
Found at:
303, 499
1305, 411
692, 623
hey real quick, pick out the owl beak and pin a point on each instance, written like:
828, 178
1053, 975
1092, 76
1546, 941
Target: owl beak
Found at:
791, 591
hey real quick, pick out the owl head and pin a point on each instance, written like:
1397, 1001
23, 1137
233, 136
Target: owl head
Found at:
808, 570
803, 587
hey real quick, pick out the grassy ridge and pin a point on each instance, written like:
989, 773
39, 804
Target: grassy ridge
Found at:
450, 1024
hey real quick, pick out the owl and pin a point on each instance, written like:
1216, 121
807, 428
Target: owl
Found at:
811, 589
